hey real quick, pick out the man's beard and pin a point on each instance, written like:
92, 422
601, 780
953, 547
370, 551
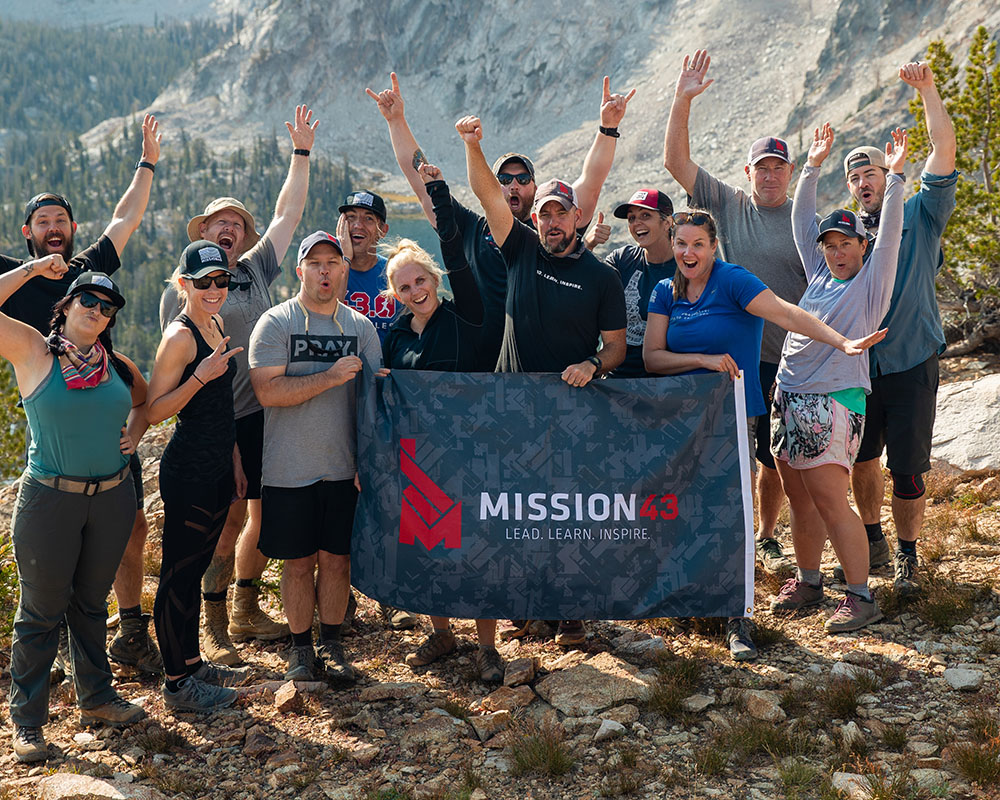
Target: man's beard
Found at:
559, 247
42, 249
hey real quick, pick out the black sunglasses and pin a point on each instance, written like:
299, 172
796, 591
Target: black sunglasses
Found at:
88, 300
220, 281
506, 178
684, 218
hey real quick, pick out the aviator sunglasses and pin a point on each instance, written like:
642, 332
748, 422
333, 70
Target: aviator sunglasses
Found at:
221, 281
506, 178
88, 300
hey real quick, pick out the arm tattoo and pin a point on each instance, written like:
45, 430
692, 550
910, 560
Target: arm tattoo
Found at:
28, 267
418, 158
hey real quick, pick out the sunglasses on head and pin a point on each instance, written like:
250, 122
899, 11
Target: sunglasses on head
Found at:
88, 300
506, 178
684, 218
220, 281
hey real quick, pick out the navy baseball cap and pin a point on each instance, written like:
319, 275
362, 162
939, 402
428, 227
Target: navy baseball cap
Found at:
315, 238
768, 146
367, 200
646, 198
843, 221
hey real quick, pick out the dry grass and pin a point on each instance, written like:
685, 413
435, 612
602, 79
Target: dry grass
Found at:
979, 761
840, 697
538, 749
676, 679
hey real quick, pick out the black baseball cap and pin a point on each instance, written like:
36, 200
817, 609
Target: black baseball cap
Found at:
201, 258
646, 198
367, 200
843, 221
46, 199
86, 281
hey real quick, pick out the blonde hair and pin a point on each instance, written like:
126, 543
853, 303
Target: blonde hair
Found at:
407, 251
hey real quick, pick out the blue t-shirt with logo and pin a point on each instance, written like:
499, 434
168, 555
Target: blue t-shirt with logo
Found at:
364, 296
717, 323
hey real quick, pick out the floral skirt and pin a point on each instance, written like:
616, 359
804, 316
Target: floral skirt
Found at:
810, 430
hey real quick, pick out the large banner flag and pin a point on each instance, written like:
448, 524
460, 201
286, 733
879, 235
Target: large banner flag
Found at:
518, 496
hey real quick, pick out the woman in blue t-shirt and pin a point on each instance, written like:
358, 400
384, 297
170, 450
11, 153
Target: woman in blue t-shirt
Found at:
709, 318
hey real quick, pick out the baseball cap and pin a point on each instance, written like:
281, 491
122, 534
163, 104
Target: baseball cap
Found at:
499, 163
202, 257
863, 157
368, 200
99, 281
221, 204
314, 239
768, 146
646, 198
555, 190
841, 220
46, 199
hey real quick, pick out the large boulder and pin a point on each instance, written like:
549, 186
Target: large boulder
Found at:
967, 426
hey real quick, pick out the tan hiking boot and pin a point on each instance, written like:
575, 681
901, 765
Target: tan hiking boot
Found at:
249, 621
215, 643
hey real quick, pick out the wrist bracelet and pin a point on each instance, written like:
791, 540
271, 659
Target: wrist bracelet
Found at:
596, 361
612, 132
147, 164
198, 379
299, 151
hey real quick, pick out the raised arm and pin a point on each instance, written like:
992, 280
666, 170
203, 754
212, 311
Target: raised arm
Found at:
804, 227
21, 344
404, 145
600, 157
677, 143
292, 197
130, 209
483, 182
941, 161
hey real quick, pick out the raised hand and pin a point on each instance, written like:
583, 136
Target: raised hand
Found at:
216, 363
428, 172
917, 74
303, 134
151, 137
613, 106
344, 235
691, 82
821, 144
598, 234
470, 129
344, 370
389, 101
895, 151
855, 347
52, 267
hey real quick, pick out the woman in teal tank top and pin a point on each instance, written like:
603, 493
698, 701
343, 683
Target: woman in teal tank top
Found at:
76, 502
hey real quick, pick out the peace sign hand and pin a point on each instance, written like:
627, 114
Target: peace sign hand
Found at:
214, 365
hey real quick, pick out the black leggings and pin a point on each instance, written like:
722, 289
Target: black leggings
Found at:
193, 515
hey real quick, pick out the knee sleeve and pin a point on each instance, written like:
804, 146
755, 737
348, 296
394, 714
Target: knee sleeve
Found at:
907, 487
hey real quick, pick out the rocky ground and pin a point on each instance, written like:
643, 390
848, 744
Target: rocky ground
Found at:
651, 709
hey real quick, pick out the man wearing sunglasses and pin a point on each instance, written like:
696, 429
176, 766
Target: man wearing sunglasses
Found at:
756, 233
255, 261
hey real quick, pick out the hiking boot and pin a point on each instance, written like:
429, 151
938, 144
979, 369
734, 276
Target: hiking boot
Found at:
347, 626
438, 644
489, 664
878, 556
195, 695
853, 612
133, 646
904, 567
302, 663
518, 629
398, 620
331, 654
739, 635
249, 621
772, 558
215, 641
795, 594
29, 744
571, 632
116, 712
62, 667
219, 675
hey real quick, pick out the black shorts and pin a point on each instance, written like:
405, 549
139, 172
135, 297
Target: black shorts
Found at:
900, 417
298, 522
250, 439
135, 467
768, 372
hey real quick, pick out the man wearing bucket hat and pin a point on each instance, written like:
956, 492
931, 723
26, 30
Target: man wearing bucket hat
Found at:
304, 356
255, 261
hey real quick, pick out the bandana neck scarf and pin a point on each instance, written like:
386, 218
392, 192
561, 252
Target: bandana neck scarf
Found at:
83, 372
870, 220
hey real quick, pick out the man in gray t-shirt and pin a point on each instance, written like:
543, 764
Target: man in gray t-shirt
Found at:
755, 231
304, 356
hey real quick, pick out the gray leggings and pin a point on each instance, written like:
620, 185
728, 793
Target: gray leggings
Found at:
67, 548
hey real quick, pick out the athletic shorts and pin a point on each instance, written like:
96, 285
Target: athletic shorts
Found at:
299, 522
810, 430
135, 467
768, 372
900, 418
250, 439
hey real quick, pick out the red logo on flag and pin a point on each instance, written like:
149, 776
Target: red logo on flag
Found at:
428, 514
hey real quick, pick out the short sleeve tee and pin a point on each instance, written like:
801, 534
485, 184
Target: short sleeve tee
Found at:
315, 440
32, 303
364, 295
717, 323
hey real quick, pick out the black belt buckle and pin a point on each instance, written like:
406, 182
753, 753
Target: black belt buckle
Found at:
87, 486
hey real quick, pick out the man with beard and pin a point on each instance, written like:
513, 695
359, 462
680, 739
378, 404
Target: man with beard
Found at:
904, 366
49, 229
255, 260
516, 174
561, 300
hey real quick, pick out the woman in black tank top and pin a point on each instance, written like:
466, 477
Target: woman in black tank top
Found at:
200, 473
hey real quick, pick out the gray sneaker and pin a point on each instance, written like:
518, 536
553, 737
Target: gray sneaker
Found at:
29, 744
218, 675
879, 555
904, 567
795, 594
195, 695
739, 635
853, 612
302, 663
772, 558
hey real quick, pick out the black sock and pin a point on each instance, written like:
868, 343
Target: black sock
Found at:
173, 686
304, 639
329, 633
134, 612
874, 532
910, 548
214, 596
191, 669
245, 583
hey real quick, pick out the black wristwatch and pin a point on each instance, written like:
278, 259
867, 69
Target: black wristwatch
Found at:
300, 151
612, 132
596, 361
147, 164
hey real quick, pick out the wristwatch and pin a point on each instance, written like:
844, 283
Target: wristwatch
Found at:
596, 361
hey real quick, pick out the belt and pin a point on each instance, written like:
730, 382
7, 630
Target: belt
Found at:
89, 487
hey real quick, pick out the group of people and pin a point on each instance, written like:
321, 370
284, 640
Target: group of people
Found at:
832, 321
